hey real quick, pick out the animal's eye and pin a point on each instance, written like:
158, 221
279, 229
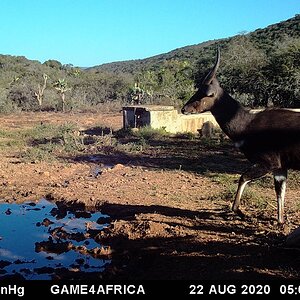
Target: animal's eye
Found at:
211, 94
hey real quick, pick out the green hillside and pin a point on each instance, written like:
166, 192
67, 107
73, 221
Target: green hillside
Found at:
260, 68
263, 38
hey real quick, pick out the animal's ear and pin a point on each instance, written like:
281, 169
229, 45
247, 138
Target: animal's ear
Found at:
212, 73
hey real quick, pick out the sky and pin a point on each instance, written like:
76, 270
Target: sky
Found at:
86, 33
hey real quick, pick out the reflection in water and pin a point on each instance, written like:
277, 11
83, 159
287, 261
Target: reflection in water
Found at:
43, 241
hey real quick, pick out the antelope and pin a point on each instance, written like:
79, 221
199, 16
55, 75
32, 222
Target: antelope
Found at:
269, 139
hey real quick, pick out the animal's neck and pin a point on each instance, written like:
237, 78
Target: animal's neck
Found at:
231, 116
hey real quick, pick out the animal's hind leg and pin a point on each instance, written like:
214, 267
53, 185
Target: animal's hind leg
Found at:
254, 172
280, 177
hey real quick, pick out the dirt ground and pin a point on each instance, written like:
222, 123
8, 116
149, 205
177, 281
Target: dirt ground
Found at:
168, 218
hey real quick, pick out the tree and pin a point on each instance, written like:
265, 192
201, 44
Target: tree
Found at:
168, 83
136, 94
53, 64
22, 95
40, 92
243, 73
61, 86
283, 73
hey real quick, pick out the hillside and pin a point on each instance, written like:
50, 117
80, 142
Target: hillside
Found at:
264, 38
134, 66
260, 68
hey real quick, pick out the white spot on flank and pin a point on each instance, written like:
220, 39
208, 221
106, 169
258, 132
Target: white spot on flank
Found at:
239, 144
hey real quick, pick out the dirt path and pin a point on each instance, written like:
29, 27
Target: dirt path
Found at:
168, 221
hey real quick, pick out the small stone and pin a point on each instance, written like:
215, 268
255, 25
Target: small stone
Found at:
118, 167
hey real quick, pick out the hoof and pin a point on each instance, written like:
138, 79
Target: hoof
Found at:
231, 215
239, 213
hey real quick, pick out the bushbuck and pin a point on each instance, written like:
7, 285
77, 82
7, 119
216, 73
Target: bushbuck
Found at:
269, 139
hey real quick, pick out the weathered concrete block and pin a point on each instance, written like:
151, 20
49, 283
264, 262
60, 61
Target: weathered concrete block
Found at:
158, 116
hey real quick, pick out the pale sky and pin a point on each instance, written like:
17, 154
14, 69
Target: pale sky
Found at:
86, 33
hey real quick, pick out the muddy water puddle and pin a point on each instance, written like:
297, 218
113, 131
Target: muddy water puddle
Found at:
45, 241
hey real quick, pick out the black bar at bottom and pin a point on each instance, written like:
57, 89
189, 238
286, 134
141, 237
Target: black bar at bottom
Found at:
134, 289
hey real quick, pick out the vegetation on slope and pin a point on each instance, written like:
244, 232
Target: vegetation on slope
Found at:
260, 69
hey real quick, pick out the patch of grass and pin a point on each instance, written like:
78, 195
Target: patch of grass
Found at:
267, 181
123, 133
251, 196
12, 139
137, 140
297, 205
38, 154
11, 144
42, 142
121, 141
264, 182
293, 180
255, 199
130, 147
148, 133
103, 141
210, 142
48, 132
145, 132
222, 178
187, 136
46, 142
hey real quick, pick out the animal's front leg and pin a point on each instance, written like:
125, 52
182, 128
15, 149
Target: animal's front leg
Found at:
280, 177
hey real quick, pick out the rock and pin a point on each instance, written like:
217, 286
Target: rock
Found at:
45, 173
51, 247
134, 130
207, 130
118, 167
103, 220
82, 214
46, 222
8, 211
4, 263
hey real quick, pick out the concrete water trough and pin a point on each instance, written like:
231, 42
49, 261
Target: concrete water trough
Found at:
167, 117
